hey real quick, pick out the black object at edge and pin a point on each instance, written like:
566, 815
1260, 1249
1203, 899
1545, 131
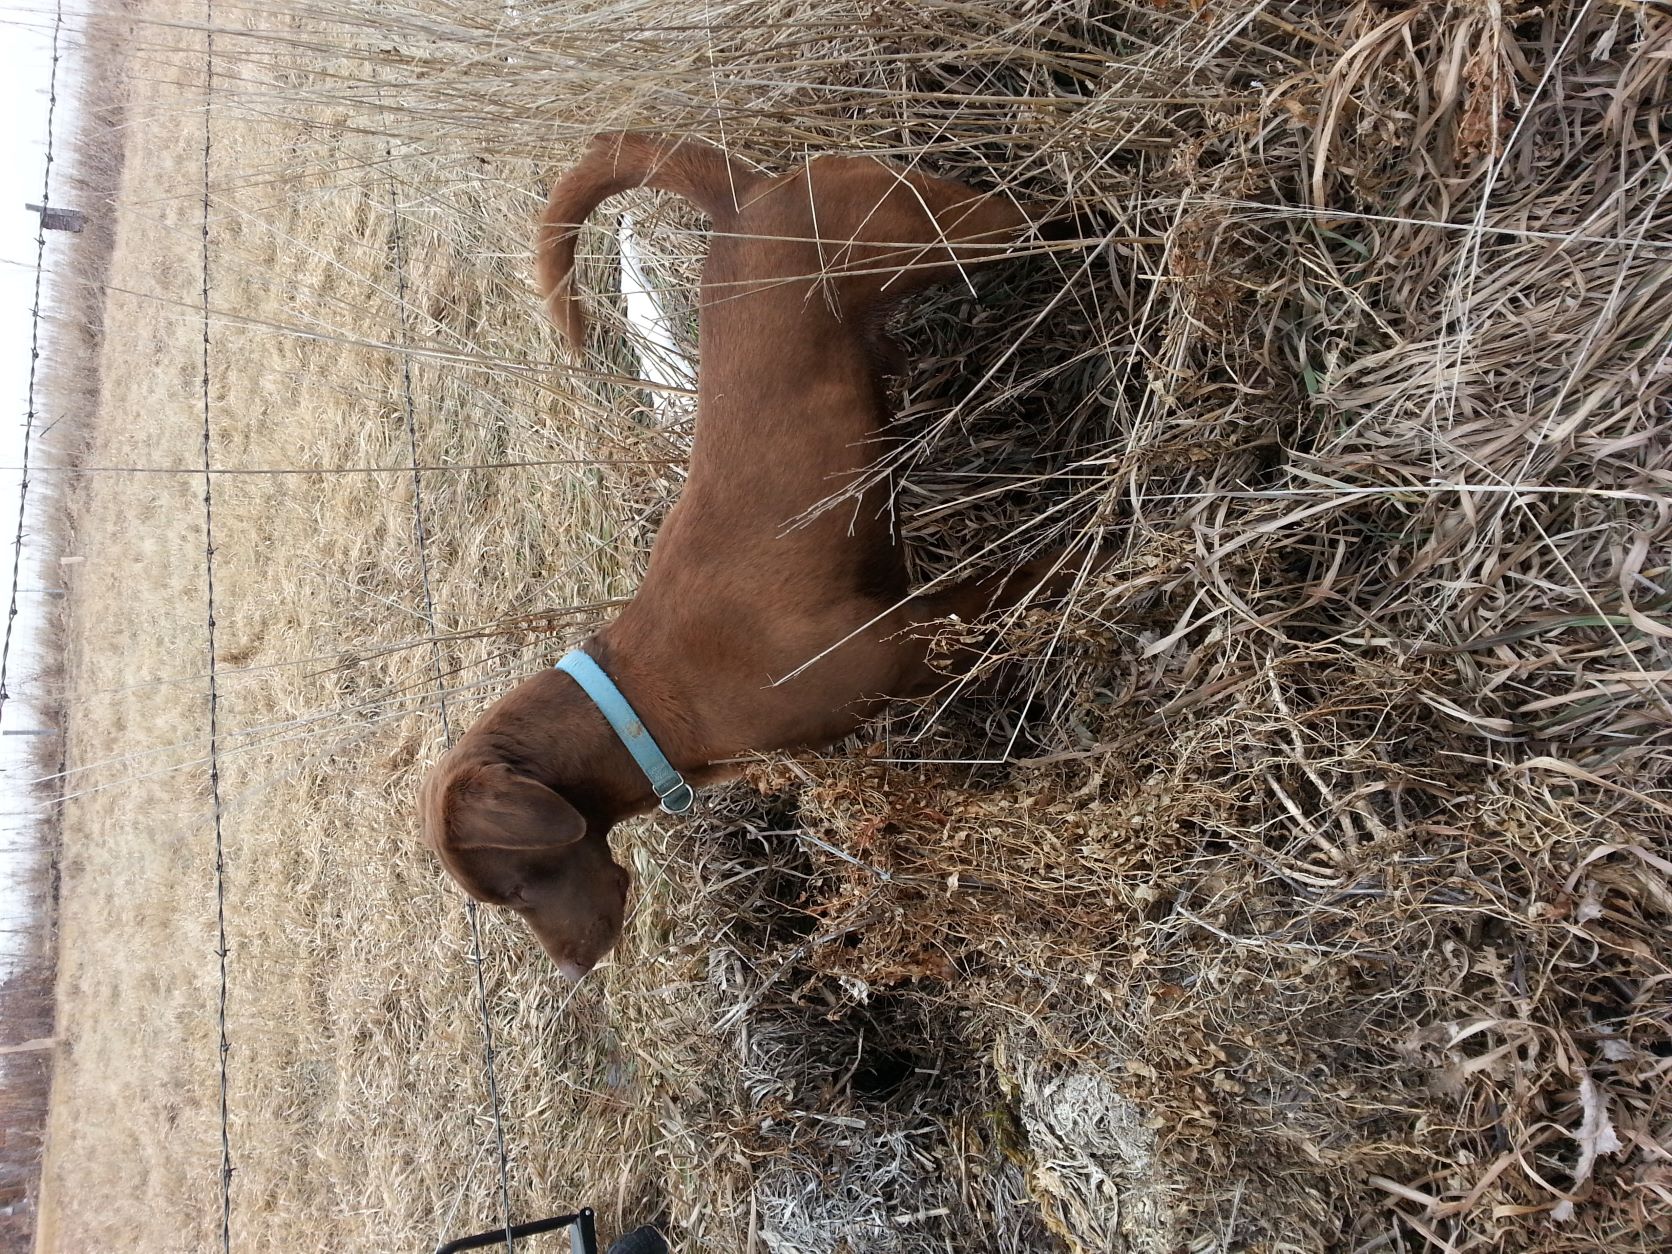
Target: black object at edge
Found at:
583, 1235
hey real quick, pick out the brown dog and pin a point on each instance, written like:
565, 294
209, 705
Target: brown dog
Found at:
743, 589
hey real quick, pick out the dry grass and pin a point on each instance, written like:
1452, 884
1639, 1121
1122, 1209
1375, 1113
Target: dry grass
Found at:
1308, 889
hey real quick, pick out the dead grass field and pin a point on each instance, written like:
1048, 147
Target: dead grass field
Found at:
1310, 892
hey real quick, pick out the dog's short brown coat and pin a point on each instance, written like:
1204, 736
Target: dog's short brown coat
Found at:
743, 589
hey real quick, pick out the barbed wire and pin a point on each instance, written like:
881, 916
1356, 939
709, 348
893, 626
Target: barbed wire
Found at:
224, 1044
30, 412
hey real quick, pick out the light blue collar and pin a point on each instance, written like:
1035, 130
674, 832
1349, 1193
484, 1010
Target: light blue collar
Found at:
669, 786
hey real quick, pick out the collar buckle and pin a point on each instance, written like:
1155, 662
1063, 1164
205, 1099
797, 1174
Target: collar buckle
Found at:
679, 797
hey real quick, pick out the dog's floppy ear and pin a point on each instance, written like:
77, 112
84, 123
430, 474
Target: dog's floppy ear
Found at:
493, 807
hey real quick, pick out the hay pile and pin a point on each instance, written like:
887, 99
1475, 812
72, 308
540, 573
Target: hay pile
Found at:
1306, 883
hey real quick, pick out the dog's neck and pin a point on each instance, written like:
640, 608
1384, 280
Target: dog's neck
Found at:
550, 729
657, 687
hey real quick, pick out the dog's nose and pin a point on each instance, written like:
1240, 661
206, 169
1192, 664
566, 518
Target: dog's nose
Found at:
571, 971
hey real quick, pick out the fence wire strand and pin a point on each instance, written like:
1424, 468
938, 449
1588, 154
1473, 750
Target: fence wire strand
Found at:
224, 1044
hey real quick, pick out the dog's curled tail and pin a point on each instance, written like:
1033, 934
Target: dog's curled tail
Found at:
615, 163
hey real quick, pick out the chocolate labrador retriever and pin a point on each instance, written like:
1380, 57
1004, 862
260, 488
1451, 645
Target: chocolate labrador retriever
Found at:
761, 624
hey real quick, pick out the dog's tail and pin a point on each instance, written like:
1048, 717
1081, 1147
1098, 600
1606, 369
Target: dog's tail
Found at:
614, 163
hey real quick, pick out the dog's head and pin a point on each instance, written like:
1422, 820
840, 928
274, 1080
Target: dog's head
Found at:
511, 841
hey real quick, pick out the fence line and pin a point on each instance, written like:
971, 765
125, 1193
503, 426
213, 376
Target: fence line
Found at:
224, 1045
31, 977
34, 356
398, 259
